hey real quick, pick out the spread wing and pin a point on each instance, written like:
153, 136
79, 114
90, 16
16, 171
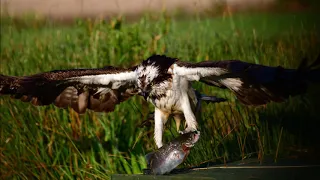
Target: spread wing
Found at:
97, 89
253, 84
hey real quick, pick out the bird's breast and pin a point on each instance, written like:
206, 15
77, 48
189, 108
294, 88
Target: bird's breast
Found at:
166, 102
168, 96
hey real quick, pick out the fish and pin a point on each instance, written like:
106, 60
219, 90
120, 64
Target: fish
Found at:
170, 155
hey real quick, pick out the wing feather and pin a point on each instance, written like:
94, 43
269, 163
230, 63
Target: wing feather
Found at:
253, 84
97, 89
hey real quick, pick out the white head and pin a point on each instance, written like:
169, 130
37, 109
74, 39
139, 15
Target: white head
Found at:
152, 72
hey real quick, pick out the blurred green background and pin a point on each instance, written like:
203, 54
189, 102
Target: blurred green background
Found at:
52, 143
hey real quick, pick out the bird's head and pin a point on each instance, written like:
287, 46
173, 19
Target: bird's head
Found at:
153, 74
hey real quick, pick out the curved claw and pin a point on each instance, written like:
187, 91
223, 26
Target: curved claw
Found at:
187, 130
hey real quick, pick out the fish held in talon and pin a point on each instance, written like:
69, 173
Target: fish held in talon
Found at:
171, 155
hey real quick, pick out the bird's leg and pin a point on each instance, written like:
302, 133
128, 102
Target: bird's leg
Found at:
160, 119
188, 115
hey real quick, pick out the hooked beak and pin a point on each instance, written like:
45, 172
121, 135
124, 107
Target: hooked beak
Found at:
145, 94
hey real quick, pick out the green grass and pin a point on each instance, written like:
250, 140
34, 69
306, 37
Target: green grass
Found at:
47, 142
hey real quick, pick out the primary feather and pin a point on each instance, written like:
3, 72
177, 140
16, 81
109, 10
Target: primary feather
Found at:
253, 84
96, 89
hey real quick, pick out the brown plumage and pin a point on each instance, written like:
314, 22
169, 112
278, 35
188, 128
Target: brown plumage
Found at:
261, 84
54, 88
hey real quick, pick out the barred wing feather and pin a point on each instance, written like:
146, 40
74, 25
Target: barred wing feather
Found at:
97, 89
253, 84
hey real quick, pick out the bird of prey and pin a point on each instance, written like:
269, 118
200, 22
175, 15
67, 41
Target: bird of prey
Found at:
163, 81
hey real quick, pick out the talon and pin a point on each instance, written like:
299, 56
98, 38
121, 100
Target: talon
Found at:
187, 130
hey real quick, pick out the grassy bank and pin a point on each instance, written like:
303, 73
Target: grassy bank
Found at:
47, 142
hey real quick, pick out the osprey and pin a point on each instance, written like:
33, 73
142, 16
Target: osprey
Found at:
163, 81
